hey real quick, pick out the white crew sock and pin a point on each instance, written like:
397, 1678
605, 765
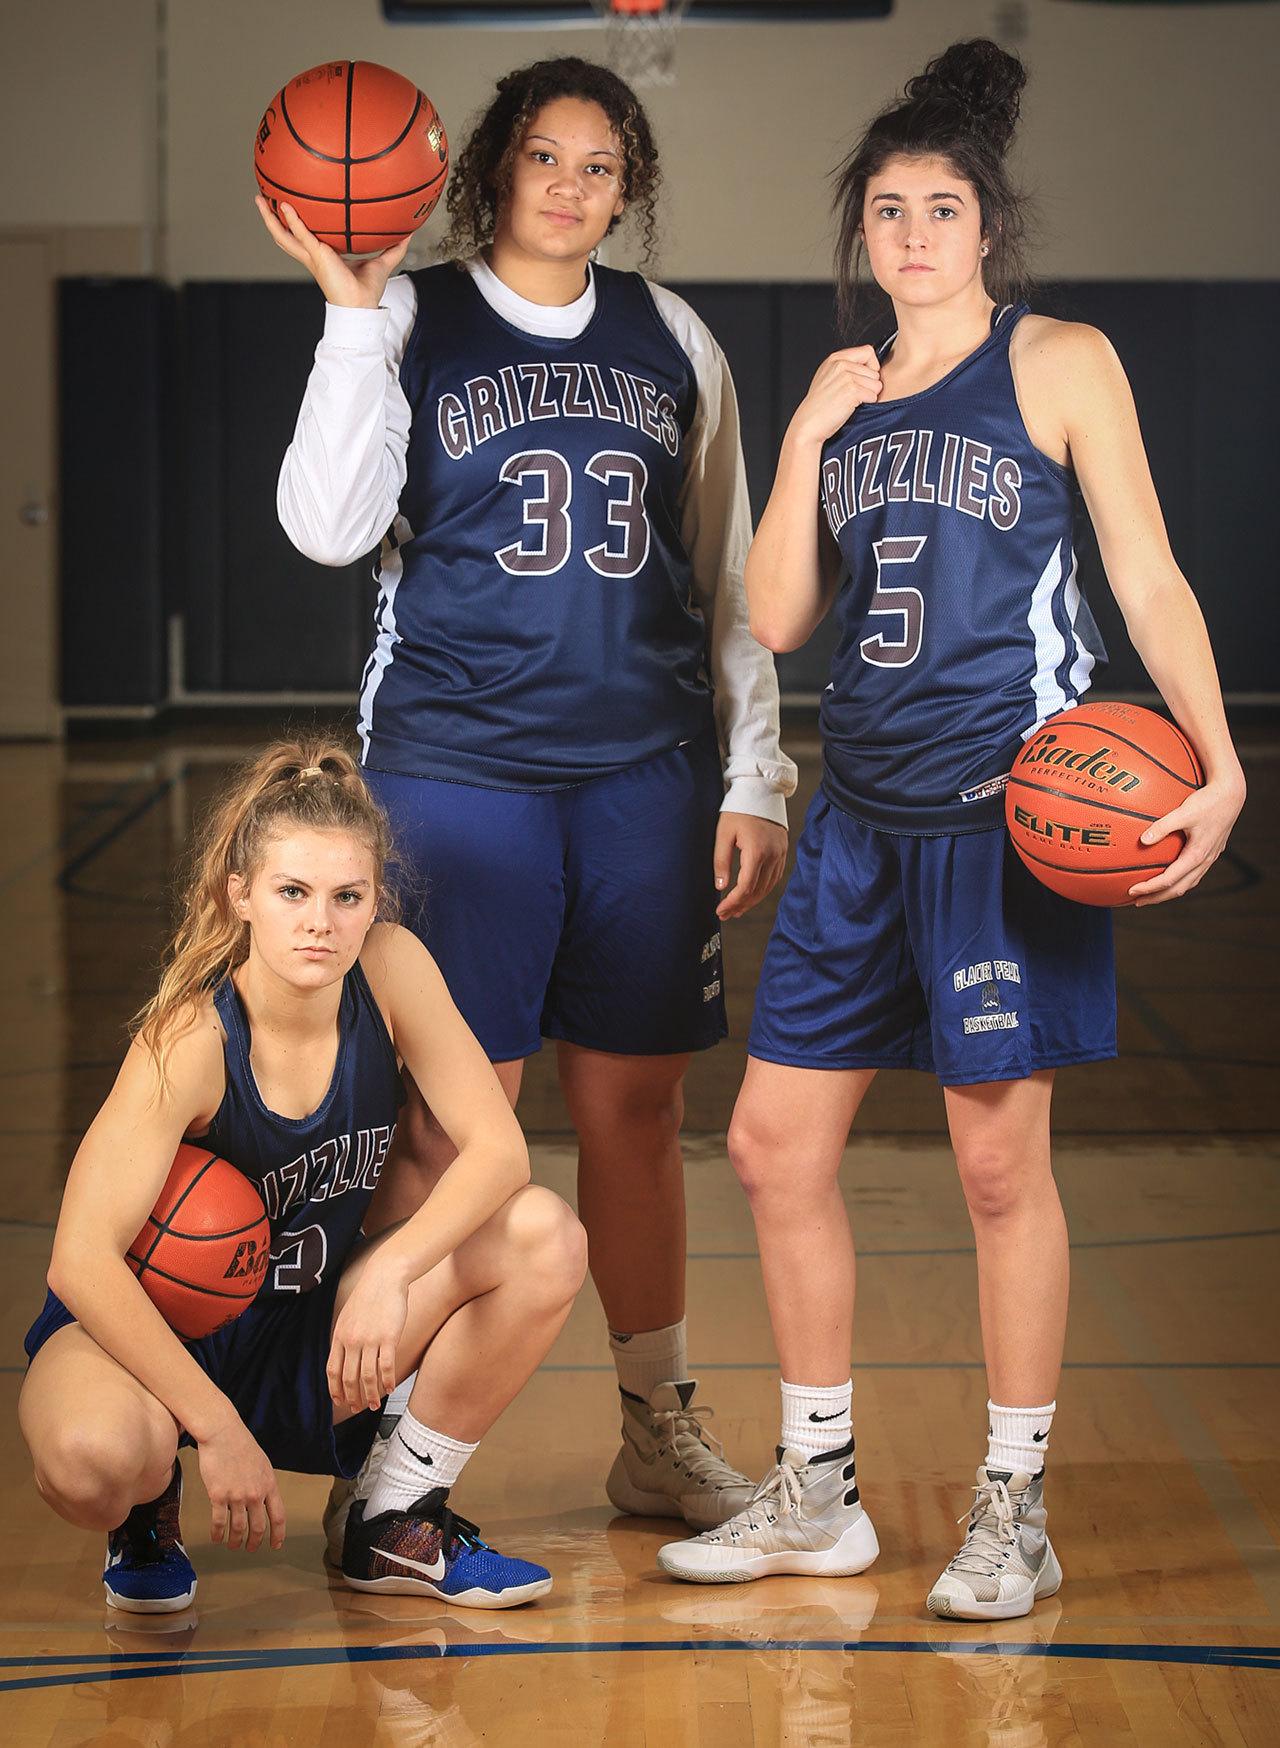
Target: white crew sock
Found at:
816, 1417
418, 1459
1017, 1438
650, 1358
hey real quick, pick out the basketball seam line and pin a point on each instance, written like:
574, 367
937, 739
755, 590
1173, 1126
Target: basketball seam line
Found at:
346, 161
328, 157
1084, 800
162, 1226
1124, 740
355, 200
209, 1292
1136, 868
212, 1237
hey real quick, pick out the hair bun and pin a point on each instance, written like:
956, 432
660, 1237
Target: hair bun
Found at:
982, 80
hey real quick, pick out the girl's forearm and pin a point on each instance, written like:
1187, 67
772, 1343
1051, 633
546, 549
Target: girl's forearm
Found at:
784, 582
1169, 633
110, 1305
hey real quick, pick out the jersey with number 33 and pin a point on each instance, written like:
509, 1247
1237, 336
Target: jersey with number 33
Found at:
961, 624
535, 618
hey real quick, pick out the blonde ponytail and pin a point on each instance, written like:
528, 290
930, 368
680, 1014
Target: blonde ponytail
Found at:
311, 783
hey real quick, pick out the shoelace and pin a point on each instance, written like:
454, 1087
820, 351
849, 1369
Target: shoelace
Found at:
671, 1422
992, 1531
782, 1485
455, 1530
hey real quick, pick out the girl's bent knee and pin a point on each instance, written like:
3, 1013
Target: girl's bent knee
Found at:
89, 1480
550, 1238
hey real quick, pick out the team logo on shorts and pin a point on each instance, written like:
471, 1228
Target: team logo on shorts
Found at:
986, 977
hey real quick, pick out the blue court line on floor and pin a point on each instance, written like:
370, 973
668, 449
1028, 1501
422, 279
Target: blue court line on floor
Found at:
964, 1366
968, 1250
121, 1667
932, 1366
7, 1224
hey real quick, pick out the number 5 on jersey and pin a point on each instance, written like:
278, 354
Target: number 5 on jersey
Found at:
896, 647
547, 538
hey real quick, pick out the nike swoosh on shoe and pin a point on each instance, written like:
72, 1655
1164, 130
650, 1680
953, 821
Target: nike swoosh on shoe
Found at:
435, 1570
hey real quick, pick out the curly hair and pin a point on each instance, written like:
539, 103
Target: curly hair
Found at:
482, 171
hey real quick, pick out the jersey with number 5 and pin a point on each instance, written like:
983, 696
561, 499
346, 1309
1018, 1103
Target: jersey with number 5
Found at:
315, 1174
961, 624
535, 624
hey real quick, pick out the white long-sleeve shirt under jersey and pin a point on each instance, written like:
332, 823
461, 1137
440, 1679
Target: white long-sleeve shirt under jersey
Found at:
344, 472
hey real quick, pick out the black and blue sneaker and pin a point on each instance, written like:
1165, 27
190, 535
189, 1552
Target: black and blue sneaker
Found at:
147, 1570
428, 1550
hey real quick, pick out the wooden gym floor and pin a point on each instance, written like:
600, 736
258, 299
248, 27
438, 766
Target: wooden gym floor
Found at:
1164, 1480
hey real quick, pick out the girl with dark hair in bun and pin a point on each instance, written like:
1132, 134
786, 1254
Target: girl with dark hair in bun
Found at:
564, 711
925, 489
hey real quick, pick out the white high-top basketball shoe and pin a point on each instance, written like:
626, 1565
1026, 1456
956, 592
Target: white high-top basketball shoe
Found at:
805, 1516
670, 1465
1007, 1562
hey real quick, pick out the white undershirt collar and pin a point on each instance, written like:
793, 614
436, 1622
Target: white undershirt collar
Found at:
553, 321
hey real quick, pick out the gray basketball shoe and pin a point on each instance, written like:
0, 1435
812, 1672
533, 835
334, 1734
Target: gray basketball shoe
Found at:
805, 1516
343, 1493
1007, 1562
670, 1465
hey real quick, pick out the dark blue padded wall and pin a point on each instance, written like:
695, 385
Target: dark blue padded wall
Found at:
170, 456
115, 443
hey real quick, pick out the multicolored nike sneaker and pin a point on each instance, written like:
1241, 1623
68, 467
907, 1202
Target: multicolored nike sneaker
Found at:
429, 1550
147, 1570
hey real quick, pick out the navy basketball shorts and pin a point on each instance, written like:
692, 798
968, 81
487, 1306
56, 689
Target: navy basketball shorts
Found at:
271, 1364
587, 914
940, 953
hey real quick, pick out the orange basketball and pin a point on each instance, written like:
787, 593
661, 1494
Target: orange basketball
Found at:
1083, 790
357, 150
203, 1251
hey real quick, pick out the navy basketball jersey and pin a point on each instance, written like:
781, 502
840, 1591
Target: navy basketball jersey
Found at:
315, 1174
961, 625
534, 624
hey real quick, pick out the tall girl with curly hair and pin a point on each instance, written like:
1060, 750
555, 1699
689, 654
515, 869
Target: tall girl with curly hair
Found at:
925, 493
564, 711
277, 1039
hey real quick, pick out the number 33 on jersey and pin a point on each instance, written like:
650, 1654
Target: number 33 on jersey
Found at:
535, 624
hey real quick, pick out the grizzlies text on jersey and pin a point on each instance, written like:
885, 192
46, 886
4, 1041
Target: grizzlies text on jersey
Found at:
961, 625
316, 1174
535, 625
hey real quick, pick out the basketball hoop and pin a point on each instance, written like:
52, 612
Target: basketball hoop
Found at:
640, 38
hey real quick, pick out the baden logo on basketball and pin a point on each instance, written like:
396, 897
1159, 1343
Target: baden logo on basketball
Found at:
1084, 789
1046, 749
251, 1258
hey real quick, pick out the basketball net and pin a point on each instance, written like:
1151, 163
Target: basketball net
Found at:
640, 38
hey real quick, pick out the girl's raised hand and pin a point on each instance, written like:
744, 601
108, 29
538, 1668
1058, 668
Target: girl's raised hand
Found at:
353, 285
841, 383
